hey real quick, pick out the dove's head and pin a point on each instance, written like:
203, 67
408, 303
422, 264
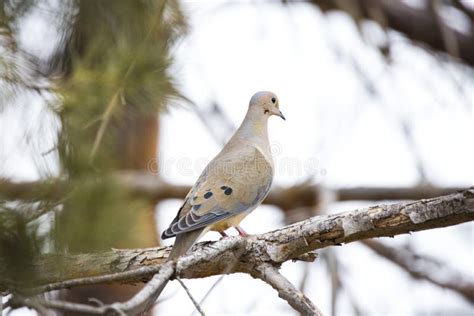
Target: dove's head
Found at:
266, 103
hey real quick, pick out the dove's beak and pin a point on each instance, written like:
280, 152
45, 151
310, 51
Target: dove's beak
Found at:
282, 116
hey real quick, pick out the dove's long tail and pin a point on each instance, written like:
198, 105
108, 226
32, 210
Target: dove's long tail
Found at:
181, 245
183, 242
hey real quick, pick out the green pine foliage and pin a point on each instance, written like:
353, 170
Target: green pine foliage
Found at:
113, 60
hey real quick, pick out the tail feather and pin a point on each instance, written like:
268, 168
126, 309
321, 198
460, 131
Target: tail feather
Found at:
183, 242
181, 245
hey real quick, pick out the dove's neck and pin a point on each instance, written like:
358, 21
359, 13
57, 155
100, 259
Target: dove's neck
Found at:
254, 129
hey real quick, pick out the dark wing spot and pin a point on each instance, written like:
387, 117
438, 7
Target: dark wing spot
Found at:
273, 100
196, 207
223, 187
207, 195
228, 191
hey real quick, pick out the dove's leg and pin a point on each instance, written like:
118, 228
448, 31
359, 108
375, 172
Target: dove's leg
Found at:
241, 231
223, 234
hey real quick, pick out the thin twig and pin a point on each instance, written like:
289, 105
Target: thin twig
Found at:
120, 90
230, 266
131, 306
209, 291
287, 291
195, 303
58, 305
104, 123
108, 278
155, 285
352, 300
333, 264
305, 277
217, 123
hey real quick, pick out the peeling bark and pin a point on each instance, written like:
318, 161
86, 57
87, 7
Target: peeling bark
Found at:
236, 254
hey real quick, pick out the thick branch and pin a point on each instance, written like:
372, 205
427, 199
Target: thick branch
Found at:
146, 295
237, 254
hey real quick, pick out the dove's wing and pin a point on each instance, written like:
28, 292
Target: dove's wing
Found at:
231, 184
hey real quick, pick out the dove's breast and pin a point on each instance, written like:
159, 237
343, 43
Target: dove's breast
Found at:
250, 180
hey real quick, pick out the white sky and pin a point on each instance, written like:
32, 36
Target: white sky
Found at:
336, 134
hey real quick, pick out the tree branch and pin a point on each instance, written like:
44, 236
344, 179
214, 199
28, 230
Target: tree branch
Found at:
59, 305
259, 255
295, 241
395, 193
424, 268
155, 189
469, 12
193, 300
418, 24
287, 291
131, 306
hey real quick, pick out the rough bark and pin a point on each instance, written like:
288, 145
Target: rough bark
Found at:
236, 254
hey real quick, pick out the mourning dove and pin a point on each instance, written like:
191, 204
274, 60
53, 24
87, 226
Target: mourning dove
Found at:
233, 184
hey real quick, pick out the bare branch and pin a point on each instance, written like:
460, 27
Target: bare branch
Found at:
287, 291
113, 277
257, 255
469, 12
131, 306
209, 291
59, 305
156, 285
155, 189
295, 241
424, 268
195, 303
396, 193
447, 33
332, 263
34, 304
418, 24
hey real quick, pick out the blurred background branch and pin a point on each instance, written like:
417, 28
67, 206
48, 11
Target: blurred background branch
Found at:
424, 268
415, 22
290, 199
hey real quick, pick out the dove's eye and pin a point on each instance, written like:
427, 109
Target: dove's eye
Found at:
274, 100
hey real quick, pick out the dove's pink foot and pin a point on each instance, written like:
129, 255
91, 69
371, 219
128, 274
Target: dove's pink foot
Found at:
223, 234
241, 231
